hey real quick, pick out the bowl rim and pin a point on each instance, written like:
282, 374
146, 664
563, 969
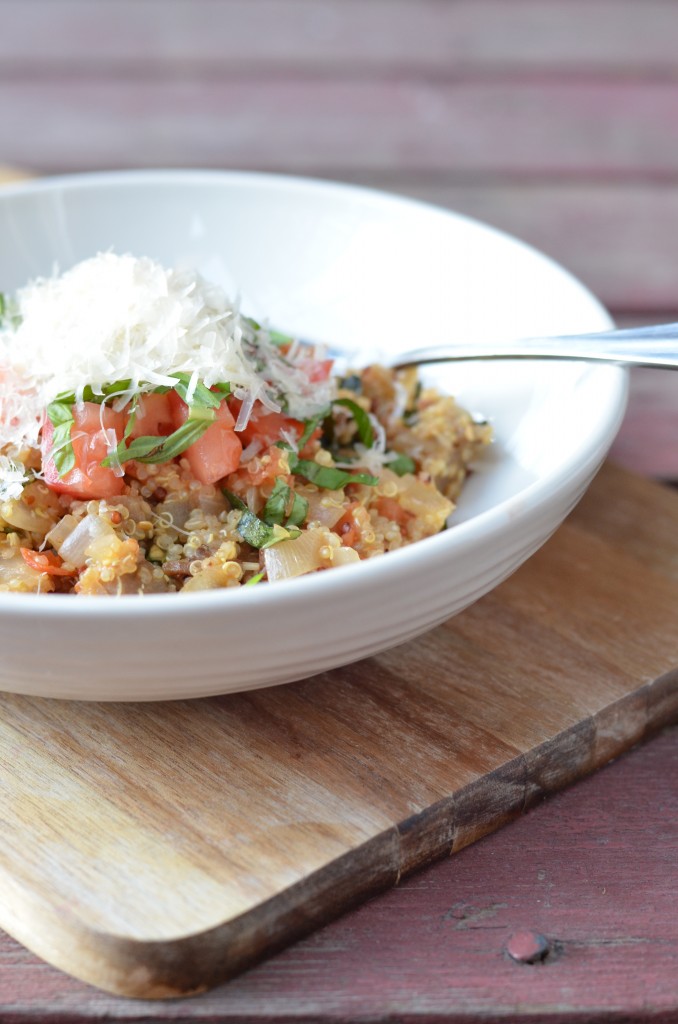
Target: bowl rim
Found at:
470, 533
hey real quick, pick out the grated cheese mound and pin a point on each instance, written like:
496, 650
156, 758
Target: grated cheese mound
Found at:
119, 317
12, 478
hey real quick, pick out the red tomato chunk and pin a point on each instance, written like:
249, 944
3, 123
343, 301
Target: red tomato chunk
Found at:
217, 453
154, 417
88, 478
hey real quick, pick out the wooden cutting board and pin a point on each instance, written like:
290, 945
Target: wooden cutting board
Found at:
155, 850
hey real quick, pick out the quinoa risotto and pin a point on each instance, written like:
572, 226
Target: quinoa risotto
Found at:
157, 440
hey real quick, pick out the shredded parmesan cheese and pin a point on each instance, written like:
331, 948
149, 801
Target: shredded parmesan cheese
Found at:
118, 318
12, 478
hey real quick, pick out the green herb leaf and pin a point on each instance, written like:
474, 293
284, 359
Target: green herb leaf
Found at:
3, 305
402, 464
62, 454
329, 476
60, 414
299, 511
254, 579
233, 500
132, 418
276, 508
259, 534
278, 338
88, 395
159, 449
254, 531
362, 420
202, 397
310, 426
281, 533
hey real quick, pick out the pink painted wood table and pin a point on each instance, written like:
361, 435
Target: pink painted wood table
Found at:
568, 915
555, 120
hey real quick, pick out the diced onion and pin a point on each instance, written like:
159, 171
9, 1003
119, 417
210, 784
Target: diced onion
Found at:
325, 507
295, 557
312, 550
18, 515
90, 531
63, 529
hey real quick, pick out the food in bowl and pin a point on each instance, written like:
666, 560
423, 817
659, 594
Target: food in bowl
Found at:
154, 439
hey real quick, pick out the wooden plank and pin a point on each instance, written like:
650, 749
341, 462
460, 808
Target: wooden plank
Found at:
572, 869
127, 861
349, 36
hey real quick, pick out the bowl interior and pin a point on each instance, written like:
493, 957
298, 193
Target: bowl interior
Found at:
362, 271
365, 273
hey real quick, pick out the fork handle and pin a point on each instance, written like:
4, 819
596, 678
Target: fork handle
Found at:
656, 345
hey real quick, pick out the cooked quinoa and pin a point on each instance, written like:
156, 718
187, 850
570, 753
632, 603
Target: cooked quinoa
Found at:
267, 485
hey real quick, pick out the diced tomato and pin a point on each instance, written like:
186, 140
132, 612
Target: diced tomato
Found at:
391, 509
88, 478
217, 453
46, 561
316, 369
267, 427
154, 417
347, 527
270, 427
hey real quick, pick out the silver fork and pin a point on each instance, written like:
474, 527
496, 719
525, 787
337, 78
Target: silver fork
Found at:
635, 346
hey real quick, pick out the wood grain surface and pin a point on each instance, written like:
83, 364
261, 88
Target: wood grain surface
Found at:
154, 850
593, 870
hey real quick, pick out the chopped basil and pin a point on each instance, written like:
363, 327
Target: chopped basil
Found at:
160, 449
362, 420
233, 500
61, 417
201, 414
328, 476
88, 395
310, 426
402, 464
276, 508
3, 305
278, 338
298, 512
202, 397
132, 418
253, 530
269, 530
254, 579
259, 534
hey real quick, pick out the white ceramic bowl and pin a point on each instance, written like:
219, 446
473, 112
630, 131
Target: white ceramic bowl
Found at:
354, 268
